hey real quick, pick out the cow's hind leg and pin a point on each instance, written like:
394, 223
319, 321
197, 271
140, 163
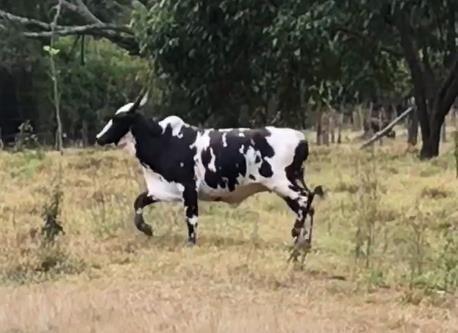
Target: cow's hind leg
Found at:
296, 199
298, 206
142, 201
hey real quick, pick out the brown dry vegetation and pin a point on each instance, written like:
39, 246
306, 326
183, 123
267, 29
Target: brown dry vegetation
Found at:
384, 255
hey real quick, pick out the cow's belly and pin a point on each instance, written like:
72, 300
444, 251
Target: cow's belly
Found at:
232, 197
160, 189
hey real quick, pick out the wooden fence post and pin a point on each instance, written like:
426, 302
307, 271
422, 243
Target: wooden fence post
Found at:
318, 120
339, 127
332, 125
325, 128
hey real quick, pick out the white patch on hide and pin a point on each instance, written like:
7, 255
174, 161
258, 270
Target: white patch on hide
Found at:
193, 220
212, 165
161, 189
176, 123
124, 108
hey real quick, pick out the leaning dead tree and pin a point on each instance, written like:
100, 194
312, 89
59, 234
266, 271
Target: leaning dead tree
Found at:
384, 131
119, 34
54, 78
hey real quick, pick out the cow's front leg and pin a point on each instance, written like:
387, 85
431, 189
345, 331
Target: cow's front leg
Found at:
191, 210
142, 201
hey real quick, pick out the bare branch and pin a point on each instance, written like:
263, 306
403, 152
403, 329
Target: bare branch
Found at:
92, 29
82, 10
56, 16
24, 20
69, 6
121, 35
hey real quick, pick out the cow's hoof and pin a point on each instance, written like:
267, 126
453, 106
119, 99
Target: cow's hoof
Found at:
147, 230
191, 243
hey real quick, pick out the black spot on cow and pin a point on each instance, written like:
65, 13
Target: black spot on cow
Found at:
265, 170
252, 177
260, 144
230, 162
295, 171
230, 156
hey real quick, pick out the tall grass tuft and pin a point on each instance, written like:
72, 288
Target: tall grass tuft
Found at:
366, 209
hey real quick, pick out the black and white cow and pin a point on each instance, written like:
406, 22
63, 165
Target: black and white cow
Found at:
183, 163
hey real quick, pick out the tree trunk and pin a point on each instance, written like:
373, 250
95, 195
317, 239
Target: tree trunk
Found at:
84, 133
430, 146
444, 100
368, 131
412, 129
433, 100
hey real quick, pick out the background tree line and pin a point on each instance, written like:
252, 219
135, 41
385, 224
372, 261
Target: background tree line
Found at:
228, 62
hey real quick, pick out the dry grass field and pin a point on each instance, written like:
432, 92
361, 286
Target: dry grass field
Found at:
385, 251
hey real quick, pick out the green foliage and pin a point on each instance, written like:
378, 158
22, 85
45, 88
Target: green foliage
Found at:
227, 55
93, 90
230, 63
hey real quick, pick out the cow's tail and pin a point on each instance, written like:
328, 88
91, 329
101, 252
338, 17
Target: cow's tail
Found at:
318, 190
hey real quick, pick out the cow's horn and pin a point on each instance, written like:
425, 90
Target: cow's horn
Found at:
139, 101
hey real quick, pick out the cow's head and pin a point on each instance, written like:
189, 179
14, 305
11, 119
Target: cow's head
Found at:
118, 127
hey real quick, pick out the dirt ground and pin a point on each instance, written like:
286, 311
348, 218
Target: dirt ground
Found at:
189, 305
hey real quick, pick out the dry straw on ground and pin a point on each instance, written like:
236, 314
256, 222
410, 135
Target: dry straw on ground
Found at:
384, 255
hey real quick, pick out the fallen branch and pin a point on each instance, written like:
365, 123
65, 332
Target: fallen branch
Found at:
384, 131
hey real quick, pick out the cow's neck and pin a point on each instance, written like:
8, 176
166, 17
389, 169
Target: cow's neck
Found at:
147, 136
